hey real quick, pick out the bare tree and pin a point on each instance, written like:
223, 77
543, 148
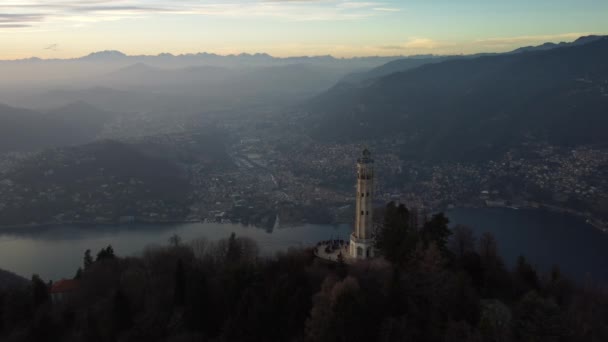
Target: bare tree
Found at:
488, 248
463, 240
201, 247
175, 240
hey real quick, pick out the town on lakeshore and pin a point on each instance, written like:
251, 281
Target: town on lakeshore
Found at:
263, 173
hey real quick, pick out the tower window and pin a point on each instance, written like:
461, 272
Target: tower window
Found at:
367, 213
362, 194
361, 212
367, 194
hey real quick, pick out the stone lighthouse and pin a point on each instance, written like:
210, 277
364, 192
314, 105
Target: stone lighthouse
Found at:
361, 240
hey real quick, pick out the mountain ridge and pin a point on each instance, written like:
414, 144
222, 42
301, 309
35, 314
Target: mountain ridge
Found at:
498, 100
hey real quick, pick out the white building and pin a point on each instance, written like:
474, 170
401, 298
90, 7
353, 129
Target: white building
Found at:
361, 240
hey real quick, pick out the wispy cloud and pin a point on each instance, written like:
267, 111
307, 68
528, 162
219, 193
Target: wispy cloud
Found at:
52, 47
523, 40
24, 13
417, 45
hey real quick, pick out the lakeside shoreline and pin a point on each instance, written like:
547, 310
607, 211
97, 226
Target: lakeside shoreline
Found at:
594, 222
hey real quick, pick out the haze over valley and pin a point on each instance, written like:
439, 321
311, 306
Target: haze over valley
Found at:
253, 136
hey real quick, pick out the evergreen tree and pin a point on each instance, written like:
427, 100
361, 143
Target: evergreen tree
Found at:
233, 254
436, 230
106, 253
88, 259
395, 239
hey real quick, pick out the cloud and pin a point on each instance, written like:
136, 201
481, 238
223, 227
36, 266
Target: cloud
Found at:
386, 9
9, 26
414, 44
19, 17
33, 12
52, 47
420, 45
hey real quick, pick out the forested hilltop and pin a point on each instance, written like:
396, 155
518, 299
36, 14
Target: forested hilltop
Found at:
475, 108
433, 284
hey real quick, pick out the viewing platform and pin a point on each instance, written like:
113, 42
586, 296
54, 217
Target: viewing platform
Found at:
330, 250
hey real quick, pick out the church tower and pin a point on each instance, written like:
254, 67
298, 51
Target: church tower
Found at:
361, 240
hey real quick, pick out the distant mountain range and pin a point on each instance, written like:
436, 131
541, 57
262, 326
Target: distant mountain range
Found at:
211, 59
536, 91
476, 107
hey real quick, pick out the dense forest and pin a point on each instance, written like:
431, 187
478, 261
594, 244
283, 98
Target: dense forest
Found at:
432, 284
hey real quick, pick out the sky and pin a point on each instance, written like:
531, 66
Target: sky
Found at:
342, 28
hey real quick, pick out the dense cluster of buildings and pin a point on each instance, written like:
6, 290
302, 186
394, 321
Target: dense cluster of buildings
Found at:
265, 176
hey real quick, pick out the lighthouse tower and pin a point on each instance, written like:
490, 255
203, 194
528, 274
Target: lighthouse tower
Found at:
361, 240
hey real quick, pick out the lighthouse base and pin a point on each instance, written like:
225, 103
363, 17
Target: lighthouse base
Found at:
361, 248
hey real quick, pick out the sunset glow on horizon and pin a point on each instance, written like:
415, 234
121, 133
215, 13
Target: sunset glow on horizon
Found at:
342, 28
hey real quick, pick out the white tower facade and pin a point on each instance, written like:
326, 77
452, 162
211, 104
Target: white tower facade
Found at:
361, 240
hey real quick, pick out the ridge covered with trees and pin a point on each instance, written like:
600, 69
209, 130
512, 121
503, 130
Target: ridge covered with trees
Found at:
475, 108
432, 284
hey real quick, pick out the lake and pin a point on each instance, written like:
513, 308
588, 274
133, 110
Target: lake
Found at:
545, 238
57, 252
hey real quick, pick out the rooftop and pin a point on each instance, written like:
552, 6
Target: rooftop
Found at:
65, 285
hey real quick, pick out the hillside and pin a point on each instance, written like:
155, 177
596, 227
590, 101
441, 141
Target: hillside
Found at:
9, 280
27, 130
463, 109
146, 179
399, 65
412, 62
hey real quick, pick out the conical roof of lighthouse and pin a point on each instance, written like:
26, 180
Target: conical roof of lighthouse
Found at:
366, 158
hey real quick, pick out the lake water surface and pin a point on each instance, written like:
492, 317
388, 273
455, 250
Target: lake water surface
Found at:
545, 238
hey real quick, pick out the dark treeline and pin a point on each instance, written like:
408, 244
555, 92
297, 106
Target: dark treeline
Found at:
433, 284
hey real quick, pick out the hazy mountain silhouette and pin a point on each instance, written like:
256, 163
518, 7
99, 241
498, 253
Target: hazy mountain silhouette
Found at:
105, 98
118, 176
549, 46
211, 84
399, 65
408, 63
141, 74
104, 56
27, 130
473, 108
86, 120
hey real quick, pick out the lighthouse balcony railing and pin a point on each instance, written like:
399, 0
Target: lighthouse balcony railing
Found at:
355, 239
